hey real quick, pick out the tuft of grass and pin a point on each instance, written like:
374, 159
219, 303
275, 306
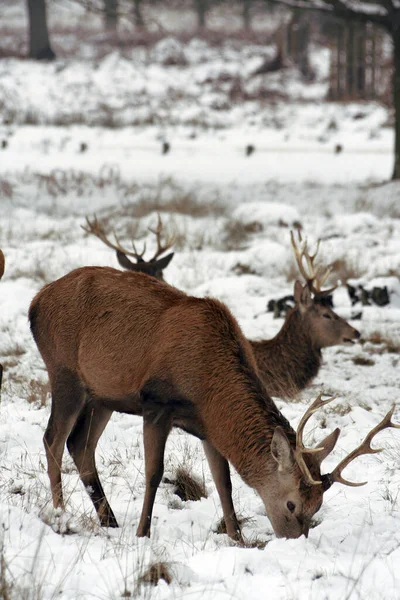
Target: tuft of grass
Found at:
6, 189
241, 269
155, 572
346, 268
6, 586
186, 486
38, 392
236, 235
221, 525
363, 361
383, 340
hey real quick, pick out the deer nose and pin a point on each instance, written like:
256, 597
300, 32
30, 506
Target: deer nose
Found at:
357, 334
306, 529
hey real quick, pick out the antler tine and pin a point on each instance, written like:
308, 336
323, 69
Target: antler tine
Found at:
318, 403
299, 254
94, 228
169, 239
135, 253
300, 448
316, 277
363, 448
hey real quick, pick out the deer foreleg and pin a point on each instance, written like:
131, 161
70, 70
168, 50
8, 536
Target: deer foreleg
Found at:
219, 468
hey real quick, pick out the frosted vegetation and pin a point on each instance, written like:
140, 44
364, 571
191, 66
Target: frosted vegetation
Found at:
72, 150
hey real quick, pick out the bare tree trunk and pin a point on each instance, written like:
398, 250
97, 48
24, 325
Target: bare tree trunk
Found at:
137, 14
201, 7
111, 15
39, 41
246, 13
299, 33
396, 100
361, 60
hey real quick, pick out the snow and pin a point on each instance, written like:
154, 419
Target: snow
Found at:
294, 176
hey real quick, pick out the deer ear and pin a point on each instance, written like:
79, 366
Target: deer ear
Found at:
281, 450
328, 445
163, 262
303, 297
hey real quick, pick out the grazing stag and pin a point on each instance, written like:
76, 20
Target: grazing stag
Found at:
288, 362
153, 267
122, 341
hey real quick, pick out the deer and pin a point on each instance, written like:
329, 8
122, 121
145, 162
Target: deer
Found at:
153, 267
123, 341
291, 360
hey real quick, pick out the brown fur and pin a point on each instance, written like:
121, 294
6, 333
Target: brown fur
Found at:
290, 361
122, 341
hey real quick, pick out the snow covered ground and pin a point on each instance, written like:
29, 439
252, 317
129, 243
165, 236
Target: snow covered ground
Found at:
232, 214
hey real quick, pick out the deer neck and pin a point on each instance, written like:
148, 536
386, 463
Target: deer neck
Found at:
289, 361
249, 417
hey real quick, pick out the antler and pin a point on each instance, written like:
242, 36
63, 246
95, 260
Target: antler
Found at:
315, 278
169, 239
364, 448
300, 448
94, 228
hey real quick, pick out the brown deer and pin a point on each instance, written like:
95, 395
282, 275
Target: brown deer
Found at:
153, 267
288, 362
291, 360
122, 341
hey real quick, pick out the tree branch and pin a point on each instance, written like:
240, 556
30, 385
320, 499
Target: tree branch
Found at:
340, 9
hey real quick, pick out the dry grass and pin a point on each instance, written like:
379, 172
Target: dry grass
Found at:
345, 269
6, 189
383, 342
6, 586
186, 486
221, 525
155, 572
363, 361
38, 392
236, 235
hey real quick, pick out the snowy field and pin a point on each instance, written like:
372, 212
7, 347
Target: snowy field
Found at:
231, 214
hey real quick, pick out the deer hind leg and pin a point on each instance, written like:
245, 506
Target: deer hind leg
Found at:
67, 400
81, 444
156, 427
219, 468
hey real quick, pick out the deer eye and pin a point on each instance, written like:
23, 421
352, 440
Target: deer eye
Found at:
327, 316
291, 506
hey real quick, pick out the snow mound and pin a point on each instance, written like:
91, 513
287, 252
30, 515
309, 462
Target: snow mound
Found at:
169, 51
265, 214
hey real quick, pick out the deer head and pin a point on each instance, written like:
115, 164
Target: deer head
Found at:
153, 267
295, 489
326, 328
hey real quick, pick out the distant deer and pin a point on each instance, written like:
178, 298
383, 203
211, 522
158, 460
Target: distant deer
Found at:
122, 341
289, 361
153, 267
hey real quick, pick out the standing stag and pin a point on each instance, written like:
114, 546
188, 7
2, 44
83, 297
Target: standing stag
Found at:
122, 341
289, 361
153, 267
